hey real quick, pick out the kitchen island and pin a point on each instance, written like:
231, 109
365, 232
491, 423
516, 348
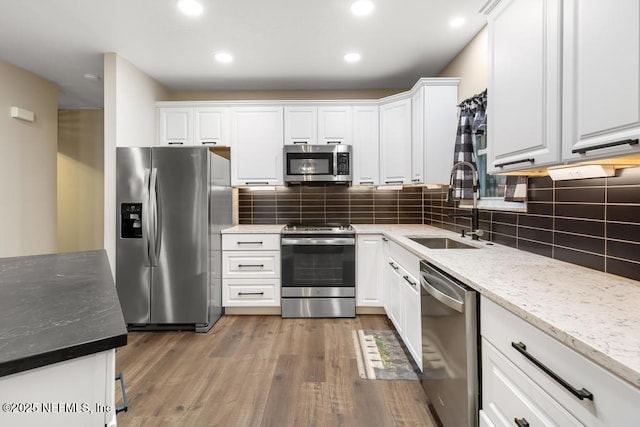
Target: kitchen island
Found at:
60, 322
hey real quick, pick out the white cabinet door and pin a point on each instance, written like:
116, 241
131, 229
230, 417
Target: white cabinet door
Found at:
212, 126
334, 125
176, 126
417, 137
395, 142
300, 125
601, 79
256, 146
413, 322
524, 84
370, 271
366, 169
434, 129
395, 285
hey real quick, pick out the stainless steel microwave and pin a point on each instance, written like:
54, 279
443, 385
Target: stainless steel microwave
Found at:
317, 163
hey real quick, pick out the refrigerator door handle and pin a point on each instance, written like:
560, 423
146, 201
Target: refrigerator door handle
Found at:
146, 216
153, 212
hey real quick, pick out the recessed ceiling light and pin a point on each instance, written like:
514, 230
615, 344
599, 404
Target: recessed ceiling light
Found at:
223, 57
456, 22
362, 7
190, 7
352, 57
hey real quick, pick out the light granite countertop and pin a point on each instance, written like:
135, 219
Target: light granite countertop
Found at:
596, 314
254, 229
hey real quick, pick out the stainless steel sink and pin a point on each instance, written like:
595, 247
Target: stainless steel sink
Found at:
441, 243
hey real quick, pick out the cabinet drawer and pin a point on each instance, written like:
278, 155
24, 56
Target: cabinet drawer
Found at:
248, 264
251, 292
407, 259
614, 400
508, 394
250, 242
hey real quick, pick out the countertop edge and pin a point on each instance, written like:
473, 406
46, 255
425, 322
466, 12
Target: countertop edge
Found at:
61, 355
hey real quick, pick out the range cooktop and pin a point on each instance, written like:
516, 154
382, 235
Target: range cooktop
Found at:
311, 228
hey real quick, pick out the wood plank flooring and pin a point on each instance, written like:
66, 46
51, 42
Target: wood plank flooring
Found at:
262, 371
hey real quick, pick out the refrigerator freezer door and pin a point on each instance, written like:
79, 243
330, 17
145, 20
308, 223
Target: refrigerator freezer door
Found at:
132, 257
180, 282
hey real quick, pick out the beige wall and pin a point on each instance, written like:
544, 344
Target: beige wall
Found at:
80, 180
27, 163
129, 120
471, 65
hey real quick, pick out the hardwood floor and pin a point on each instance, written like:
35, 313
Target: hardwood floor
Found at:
262, 371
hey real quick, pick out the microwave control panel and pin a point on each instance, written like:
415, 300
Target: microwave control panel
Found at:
343, 163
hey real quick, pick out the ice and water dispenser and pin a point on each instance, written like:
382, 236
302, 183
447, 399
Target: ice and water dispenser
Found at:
131, 220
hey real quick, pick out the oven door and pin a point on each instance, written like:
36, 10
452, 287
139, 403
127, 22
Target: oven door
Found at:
318, 266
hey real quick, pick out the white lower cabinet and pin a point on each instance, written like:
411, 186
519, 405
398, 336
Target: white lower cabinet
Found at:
516, 388
402, 298
251, 270
370, 264
77, 392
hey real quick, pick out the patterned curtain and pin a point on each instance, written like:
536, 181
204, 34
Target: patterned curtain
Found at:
472, 121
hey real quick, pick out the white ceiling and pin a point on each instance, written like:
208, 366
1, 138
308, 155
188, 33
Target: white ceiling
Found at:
277, 44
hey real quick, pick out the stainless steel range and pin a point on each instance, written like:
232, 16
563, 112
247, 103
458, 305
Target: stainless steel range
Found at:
318, 270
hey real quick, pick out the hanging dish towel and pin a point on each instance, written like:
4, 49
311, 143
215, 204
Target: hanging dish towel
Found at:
464, 152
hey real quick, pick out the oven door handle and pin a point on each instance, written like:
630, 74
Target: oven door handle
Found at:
330, 241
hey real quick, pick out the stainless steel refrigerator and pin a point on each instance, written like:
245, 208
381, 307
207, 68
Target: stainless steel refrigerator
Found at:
172, 203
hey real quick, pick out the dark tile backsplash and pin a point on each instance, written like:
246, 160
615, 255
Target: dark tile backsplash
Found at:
594, 222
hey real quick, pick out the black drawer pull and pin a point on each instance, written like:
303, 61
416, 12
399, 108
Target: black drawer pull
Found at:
580, 394
249, 243
415, 180
521, 422
334, 142
607, 145
515, 162
366, 182
410, 282
300, 142
209, 142
395, 182
250, 293
250, 265
175, 143
395, 267
257, 183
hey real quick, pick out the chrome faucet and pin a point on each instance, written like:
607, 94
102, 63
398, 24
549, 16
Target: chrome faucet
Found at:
475, 227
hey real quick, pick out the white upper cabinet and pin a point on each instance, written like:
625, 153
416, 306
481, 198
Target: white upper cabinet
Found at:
601, 78
524, 93
434, 125
300, 125
395, 142
176, 126
212, 126
335, 125
366, 169
256, 145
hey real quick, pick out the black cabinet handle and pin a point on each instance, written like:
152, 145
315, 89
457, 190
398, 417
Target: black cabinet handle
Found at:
250, 265
580, 394
395, 267
175, 143
409, 281
250, 293
607, 145
249, 243
209, 142
257, 183
415, 180
300, 142
384, 239
334, 142
366, 182
515, 162
394, 182
521, 422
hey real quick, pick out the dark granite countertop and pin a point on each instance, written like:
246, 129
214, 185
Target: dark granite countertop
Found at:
57, 307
